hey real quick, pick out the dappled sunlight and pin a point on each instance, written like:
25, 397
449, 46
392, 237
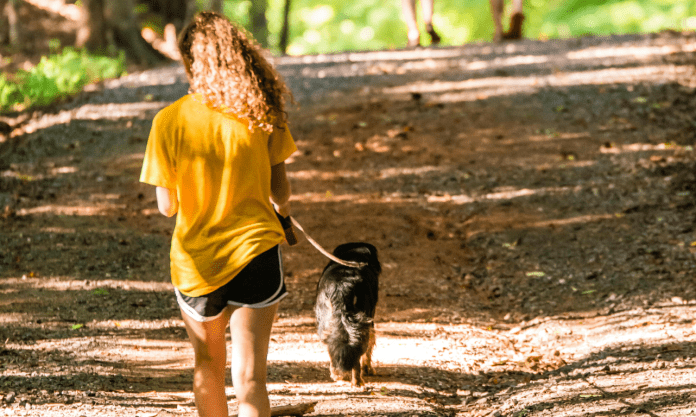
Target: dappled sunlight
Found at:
309, 175
488, 60
590, 218
498, 222
558, 136
54, 172
530, 201
70, 283
145, 354
115, 111
409, 357
633, 52
400, 55
338, 198
644, 147
110, 111
400, 67
130, 324
61, 210
314, 174
476, 89
64, 170
60, 7
397, 197
400, 171
58, 230
504, 62
502, 195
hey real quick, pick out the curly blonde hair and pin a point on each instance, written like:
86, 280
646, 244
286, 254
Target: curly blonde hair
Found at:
226, 67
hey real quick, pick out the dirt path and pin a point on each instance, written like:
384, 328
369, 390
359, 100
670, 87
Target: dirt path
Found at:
533, 204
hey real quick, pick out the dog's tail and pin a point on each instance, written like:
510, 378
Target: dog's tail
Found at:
352, 339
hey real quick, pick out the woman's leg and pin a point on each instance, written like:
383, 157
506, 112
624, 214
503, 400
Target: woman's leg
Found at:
428, 8
251, 333
497, 12
208, 339
409, 10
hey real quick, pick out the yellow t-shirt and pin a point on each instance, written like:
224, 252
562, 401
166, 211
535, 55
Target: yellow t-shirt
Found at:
222, 174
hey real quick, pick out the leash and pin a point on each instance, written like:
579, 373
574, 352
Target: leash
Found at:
289, 222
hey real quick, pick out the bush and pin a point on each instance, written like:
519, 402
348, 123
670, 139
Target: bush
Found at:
57, 76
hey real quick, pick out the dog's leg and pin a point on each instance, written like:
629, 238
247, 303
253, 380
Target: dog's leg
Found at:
335, 374
356, 377
366, 359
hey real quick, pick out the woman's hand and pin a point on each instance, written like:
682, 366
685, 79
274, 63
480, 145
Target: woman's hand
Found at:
283, 210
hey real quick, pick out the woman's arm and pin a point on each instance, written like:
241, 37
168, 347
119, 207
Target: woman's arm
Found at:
280, 189
167, 202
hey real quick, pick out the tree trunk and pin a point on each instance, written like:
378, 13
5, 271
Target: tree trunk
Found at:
257, 17
4, 33
92, 32
285, 30
112, 24
9, 22
191, 9
178, 12
216, 6
126, 31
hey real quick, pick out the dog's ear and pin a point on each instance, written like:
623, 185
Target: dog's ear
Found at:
360, 248
363, 250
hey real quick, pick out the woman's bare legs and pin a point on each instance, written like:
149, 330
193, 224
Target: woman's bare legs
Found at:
515, 30
208, 339
428, 9
409, 10
251, 333
497, 12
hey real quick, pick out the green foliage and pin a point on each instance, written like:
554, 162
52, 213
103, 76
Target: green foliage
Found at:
57, 76
603, 17
335, 25
9, 92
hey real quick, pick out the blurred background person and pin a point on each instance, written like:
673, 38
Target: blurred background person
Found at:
516, 19
409, 9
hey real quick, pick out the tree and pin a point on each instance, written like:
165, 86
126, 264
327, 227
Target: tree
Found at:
257, 18
9, 22
285, 30
113, 24
177, 12
92, 32
216, 6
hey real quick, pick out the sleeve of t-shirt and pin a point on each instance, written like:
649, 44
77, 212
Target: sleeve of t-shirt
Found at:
158, 164
280, 145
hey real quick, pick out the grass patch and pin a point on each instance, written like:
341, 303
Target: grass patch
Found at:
55, 77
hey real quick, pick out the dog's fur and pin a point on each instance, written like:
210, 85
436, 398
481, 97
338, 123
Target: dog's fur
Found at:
345, 311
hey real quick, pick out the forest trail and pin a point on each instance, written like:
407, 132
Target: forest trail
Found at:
534, 205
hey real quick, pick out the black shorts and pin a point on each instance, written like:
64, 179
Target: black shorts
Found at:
260, 284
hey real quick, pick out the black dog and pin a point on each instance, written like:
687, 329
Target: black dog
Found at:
345, 310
